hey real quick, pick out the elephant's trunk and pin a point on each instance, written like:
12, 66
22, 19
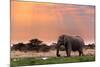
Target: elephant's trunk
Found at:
58, 47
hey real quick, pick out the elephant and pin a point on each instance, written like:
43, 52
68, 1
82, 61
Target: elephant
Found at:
71, 43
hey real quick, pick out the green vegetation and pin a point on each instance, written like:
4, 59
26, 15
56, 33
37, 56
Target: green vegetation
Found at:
51, 60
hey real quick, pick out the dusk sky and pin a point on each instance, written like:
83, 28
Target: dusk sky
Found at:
47, 21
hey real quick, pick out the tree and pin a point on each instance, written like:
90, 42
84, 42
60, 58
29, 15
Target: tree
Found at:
35, 44
35, 41
18, 46
44, 48
53, 46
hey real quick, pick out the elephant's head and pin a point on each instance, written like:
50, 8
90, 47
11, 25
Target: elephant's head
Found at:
61, 40
59, 43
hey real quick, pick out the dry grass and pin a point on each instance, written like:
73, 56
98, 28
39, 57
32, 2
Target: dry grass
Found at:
52, 53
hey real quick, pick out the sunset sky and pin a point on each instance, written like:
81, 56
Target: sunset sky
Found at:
46, 21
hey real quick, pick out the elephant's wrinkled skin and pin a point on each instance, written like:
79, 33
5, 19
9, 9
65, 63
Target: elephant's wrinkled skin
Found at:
71, 43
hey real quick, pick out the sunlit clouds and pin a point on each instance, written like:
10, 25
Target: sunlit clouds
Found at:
48, 21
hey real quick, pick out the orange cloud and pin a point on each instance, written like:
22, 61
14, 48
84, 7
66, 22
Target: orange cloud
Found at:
47, 21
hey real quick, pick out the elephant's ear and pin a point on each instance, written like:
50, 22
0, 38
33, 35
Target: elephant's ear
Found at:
65, 40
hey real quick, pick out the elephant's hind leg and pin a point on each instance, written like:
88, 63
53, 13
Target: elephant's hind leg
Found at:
81, 53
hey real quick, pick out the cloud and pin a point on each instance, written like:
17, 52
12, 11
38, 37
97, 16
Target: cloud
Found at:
47, 22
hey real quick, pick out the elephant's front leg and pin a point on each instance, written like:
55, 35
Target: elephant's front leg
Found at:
68, 52
58, 55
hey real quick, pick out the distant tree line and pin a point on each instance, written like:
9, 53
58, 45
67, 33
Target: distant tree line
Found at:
38, 46
33, 45
90, 46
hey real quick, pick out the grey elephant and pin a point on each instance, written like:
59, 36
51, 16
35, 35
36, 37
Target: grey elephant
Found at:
71, 43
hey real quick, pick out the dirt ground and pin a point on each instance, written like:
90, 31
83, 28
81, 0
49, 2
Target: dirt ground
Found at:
52, 53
